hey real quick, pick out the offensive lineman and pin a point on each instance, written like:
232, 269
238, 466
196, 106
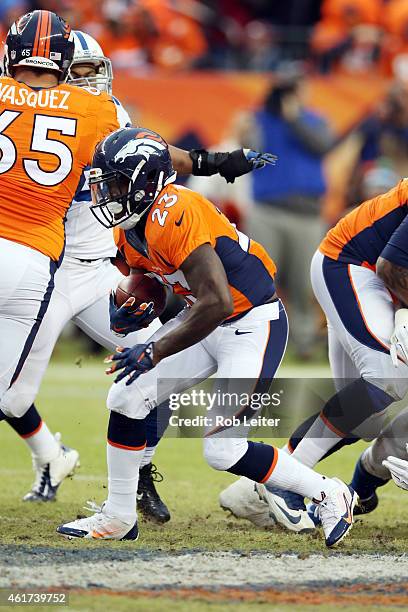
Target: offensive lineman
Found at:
48, 133
232, 326
81, 294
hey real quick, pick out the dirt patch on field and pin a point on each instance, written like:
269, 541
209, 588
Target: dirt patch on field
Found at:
212, 576
371, 596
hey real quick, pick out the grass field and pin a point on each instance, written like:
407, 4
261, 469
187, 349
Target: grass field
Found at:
72, 400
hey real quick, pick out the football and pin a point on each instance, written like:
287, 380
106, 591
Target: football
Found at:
144, 289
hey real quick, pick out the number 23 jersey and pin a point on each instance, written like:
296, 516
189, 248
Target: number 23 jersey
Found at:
178, 223
47, 138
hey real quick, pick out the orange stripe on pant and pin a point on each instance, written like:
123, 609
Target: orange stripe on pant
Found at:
331, 426
361, 310
32, 433
272, 466
124, 447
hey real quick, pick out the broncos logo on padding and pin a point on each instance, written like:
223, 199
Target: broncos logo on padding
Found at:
139, 146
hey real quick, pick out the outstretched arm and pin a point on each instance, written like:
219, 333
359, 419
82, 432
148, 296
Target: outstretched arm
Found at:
229, 165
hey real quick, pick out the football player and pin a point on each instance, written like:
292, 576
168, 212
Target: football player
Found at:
359, 278
82, 294
232, 326
48, 131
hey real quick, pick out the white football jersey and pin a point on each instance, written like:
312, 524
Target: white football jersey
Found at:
85, 237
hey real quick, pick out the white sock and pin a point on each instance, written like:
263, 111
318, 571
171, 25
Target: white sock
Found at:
289, 474
318, 440
123, 473
148, 455
44, 447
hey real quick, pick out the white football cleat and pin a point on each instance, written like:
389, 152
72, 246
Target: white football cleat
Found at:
336, 512
99, 526
287, 508
242, 500
49, 476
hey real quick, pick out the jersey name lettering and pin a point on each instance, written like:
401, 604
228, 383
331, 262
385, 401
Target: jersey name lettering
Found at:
44, 98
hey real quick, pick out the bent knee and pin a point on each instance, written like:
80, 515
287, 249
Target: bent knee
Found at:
222, 454
127, 401
15, 404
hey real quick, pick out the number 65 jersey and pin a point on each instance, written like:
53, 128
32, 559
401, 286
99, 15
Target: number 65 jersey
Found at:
47, 138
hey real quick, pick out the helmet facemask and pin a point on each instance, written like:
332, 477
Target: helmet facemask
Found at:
102, 79
120, 201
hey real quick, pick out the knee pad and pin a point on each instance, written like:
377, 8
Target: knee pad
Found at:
15, 404
223, 453
354, 404
128, 401
391, 441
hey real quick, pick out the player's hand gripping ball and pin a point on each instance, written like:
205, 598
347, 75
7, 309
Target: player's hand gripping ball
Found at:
138, 300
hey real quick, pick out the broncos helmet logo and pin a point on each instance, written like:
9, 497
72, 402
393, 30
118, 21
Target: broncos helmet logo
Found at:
139, 146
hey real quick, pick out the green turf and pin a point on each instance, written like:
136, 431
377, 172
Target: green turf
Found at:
72, 400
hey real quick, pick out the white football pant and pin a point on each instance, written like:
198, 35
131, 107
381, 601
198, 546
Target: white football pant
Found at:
81, 294
240, 353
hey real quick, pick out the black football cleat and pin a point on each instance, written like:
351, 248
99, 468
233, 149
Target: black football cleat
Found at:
365, 506
149, 502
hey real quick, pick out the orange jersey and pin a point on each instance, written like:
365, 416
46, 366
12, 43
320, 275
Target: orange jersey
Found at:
179, 222
360, 237
47, 137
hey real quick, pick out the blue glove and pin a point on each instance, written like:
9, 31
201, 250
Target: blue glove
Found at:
138, 359
259, 160
129, 317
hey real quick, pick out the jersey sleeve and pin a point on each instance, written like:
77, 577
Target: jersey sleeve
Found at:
106, 117
396, 249
186, 229
122, 115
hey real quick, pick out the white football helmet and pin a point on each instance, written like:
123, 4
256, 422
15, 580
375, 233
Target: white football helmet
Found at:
89, 51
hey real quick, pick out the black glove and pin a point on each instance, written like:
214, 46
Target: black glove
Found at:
229, 165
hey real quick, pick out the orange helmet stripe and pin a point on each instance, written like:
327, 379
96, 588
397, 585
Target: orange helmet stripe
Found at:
43, 32
48, 36
37, 36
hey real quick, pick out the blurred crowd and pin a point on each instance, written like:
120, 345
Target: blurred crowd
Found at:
288, 208
327, 35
